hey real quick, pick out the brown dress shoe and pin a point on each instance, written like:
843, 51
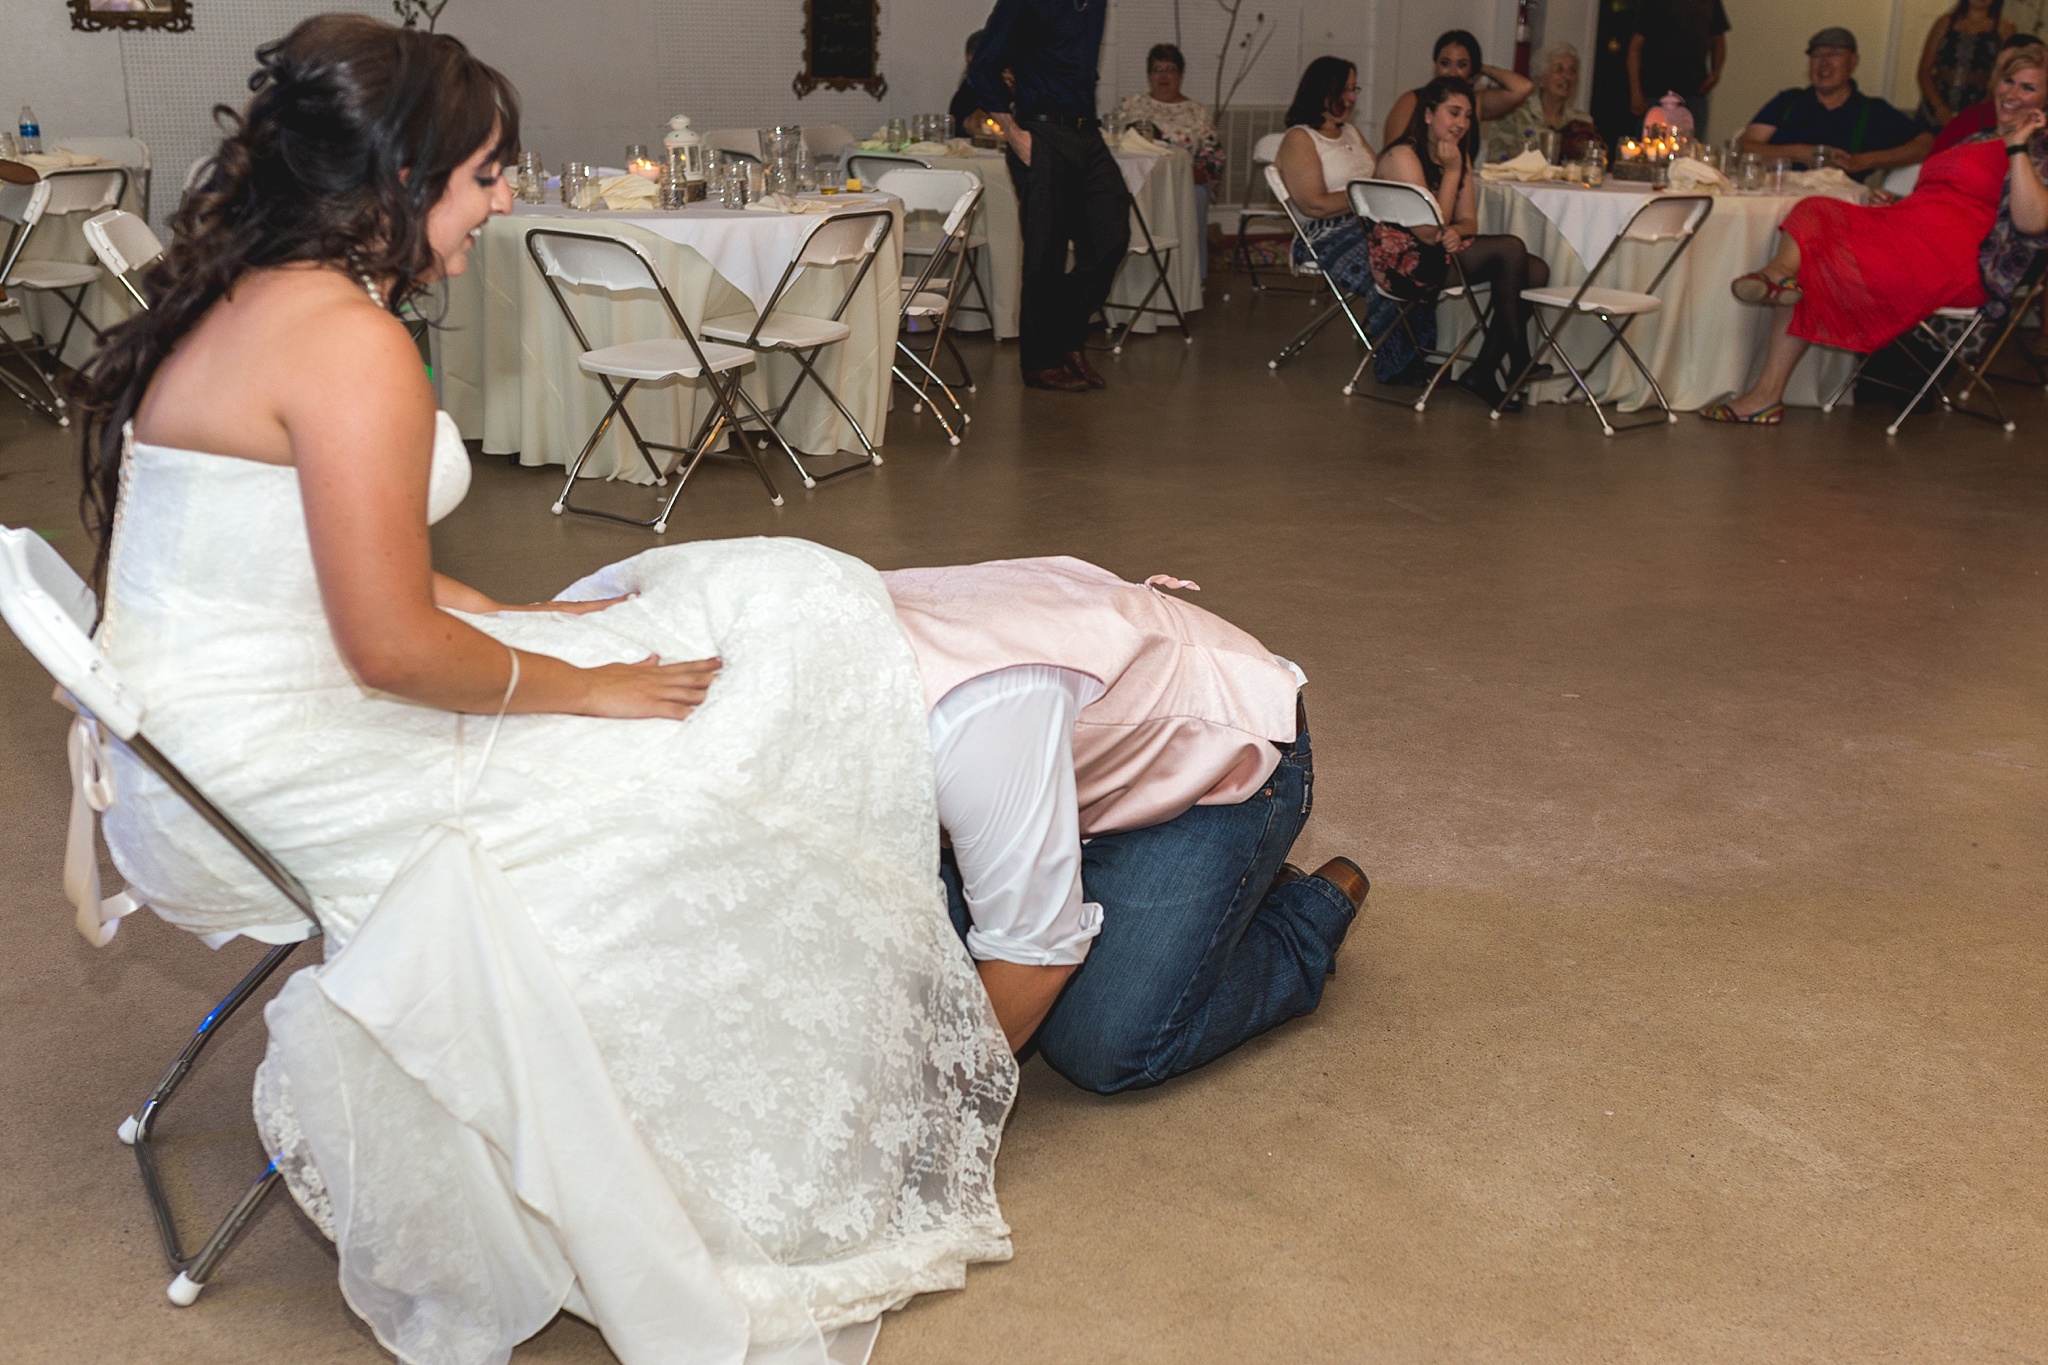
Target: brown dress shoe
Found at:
1060, 380
1348, 878
1078, 362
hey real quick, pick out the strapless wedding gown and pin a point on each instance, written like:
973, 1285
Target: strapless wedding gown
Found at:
741, 908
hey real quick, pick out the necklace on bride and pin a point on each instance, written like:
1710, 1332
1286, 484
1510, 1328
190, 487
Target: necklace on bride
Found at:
370, 288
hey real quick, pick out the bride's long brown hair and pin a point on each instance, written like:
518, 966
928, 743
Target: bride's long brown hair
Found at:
351, 133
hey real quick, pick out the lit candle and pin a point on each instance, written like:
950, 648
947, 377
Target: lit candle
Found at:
650, 169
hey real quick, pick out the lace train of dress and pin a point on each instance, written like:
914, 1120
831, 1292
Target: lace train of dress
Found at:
737, 915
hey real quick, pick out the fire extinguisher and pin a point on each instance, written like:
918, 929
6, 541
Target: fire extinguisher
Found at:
1522, 37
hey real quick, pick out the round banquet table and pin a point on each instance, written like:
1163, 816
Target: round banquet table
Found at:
1702, 345
505, 363
1163, 186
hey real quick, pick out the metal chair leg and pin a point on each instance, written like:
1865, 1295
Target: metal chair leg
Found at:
195, 1270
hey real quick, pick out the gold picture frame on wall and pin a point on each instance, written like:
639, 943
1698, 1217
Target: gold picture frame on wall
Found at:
98, 16
842, 41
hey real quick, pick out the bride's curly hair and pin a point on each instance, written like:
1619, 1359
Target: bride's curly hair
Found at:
352, 130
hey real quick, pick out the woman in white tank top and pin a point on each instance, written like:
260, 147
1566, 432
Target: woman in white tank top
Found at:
1322, 153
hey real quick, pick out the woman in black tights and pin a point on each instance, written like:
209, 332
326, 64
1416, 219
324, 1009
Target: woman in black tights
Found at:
1415, 264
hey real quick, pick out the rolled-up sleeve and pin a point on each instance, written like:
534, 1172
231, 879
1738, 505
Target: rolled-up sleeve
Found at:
1002, 745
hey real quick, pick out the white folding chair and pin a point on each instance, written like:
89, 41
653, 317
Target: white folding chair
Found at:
1410, 206
50, 611
870, 167
742, 144
928, 296
131, 152
919, 242
1159, 252
1661, 218
125, 246
617, 267
844, 239
1963, 325
1264, 153
25, 200
827, 139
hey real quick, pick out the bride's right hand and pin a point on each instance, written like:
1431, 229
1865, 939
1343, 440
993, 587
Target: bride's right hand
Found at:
649, 688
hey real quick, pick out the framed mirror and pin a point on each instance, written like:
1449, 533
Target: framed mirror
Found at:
840, 42
99, 15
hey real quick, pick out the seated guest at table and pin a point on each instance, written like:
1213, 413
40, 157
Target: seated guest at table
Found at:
1457, 55
1416, 263
1549, 108
966, 110
1858, 277
1982, 116
1956, 61
1862, 132
1322, 152
1176, 119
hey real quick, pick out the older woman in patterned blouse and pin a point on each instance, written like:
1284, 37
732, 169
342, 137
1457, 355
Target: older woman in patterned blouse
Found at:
1183, 122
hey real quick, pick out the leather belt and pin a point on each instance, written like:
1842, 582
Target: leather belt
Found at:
1073, 123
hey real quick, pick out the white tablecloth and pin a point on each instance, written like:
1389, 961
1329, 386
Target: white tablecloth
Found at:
1703, 345
506, 364
1163, 186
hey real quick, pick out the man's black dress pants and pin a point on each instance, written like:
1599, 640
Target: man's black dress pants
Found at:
1071, 194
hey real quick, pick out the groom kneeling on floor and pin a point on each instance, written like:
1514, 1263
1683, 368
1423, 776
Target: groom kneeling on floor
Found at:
1120, 778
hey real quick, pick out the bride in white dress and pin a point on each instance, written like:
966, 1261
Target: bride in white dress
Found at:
728, 1081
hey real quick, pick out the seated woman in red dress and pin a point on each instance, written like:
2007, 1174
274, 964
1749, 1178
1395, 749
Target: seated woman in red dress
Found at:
1858, 277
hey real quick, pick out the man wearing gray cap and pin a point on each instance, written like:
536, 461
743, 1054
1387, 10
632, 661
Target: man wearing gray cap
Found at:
1859, 132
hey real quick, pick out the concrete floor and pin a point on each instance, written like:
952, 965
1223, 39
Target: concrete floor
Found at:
1698, 1009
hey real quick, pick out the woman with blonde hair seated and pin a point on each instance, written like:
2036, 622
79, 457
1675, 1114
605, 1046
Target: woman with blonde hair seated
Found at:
1858, 277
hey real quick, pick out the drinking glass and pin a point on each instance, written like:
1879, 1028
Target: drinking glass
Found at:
831, 179
1552, 143
1823, 157
10, 145
529, 181
899, 136
568, 184
636, 151
1780, 168
1752, 173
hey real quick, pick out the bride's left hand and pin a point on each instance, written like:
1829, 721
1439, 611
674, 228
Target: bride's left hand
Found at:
568, 608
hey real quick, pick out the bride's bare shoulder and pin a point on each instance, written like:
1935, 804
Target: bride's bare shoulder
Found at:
280, 338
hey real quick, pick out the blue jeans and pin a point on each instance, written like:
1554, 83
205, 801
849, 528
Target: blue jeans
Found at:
1199, 951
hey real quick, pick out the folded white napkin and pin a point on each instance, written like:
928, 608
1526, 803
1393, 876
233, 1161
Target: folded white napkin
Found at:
1530, 165
1694, 176
58, 159
1832, 182
1137, 144
628, 192
783, 203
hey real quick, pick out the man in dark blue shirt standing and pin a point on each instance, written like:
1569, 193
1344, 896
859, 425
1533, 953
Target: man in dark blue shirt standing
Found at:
1862, 132
1069, 190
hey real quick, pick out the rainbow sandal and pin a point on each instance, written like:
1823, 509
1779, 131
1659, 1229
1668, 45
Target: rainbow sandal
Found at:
1757, 287
1762, 417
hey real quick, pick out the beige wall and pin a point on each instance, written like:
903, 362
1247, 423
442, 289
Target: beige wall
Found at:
1767, 51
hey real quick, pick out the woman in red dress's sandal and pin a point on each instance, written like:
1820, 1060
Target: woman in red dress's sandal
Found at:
1857, 277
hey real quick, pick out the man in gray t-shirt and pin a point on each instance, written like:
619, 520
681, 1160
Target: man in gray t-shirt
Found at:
1681, 46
